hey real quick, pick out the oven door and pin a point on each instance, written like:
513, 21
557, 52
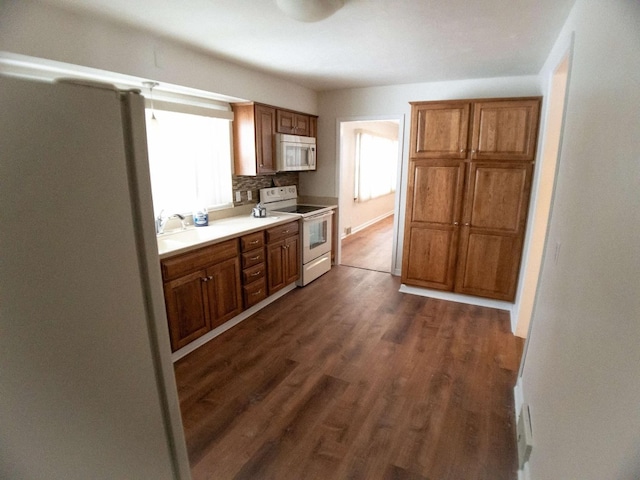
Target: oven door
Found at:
316, 236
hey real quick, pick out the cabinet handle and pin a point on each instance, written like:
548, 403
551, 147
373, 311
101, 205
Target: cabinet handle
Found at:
256, 274
255, 258
256, 293
285, 231
254, 242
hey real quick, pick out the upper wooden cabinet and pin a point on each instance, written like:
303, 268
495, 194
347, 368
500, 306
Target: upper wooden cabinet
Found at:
439, 130
293, 123
254, 129
505, 130
254, 148
467, 207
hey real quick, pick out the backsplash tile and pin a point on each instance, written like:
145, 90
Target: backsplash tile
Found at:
243, 184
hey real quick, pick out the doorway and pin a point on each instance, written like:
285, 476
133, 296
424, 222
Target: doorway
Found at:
370, 155
542, 216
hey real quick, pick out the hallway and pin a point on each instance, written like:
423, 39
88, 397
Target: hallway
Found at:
370, 248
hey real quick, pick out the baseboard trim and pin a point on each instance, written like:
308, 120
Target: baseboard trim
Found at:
456, 297
367, 224
178, 354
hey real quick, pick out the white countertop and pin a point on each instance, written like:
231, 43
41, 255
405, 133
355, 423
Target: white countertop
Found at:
172, 243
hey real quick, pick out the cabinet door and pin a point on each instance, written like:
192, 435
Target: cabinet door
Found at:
275, 266
292, 123
265, 139
224, 292
505, 130
432, 222
439, 130
187, 309
495, 218
291, 257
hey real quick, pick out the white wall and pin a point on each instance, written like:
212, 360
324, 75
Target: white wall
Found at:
353, 214
581, 375
39, 30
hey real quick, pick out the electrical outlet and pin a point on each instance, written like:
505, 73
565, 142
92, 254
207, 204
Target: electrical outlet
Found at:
238, 196
249, 195
525, 436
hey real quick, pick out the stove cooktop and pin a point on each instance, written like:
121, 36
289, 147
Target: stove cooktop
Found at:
302, 209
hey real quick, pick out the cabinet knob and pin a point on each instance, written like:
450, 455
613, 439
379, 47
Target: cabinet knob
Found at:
466, 224
462, 150
473, 151
210, 277
455, 223
205, 279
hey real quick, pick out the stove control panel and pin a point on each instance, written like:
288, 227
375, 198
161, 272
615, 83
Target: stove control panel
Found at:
277, 194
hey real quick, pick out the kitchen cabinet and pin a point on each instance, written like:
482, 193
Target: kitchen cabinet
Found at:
254, 129
202, 290
283, 256
439, 130
254, 148
468, 191
254, 268
293, 123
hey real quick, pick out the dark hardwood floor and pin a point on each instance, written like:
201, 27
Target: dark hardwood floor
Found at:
371, 247
347, 378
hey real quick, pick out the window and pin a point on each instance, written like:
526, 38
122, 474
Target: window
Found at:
189, 161
376, 165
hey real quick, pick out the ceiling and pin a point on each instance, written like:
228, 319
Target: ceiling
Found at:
366, 43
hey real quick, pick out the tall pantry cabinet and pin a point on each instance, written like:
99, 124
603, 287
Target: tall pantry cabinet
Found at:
470, 170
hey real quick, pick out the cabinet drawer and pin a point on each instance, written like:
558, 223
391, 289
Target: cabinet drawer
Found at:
179, 265
281, 231
254, 292
253, 257
251, 241
254, 273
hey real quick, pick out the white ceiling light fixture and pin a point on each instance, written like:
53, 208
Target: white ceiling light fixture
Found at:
309, 10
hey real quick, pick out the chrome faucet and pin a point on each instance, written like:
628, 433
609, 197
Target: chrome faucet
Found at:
161, 221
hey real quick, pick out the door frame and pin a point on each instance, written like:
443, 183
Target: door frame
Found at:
340, 174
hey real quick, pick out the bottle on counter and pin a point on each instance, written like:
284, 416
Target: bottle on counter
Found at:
200, 217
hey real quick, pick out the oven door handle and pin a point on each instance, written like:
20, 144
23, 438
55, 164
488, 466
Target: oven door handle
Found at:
319, 216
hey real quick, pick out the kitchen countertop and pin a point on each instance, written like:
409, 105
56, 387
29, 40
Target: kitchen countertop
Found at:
173, 243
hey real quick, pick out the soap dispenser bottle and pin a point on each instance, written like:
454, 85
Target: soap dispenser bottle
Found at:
200, 217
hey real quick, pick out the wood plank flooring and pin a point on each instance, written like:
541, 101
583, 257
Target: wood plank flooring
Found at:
370, 248
347, 378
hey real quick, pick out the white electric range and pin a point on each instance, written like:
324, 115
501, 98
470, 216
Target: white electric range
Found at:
315, 257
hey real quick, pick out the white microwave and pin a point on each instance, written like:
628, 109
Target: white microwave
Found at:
295, 153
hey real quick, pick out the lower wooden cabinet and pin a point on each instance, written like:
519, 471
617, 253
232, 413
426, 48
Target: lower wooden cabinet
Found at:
283, 256
202, 290
254, 269
208, 286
